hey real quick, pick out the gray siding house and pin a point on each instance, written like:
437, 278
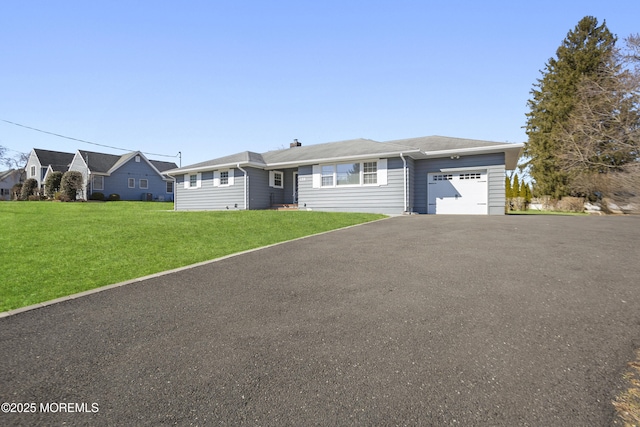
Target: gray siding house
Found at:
132, 176
429, 175
8, 179
42, 162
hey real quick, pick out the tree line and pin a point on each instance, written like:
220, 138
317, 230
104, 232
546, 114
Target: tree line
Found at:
583, 124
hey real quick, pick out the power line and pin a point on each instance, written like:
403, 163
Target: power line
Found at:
82, 140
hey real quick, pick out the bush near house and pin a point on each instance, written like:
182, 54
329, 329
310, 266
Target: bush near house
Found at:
96, 196
28, 189
114, 197
70, 184
52, 184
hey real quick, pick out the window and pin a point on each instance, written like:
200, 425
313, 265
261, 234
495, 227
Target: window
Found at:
348, 174
193, 180
169, 186
224, 178
442, 177
33, 171
97, 183
144, 184
469, 176
370, 173
137, 159
276, 179
132, 183
327, 176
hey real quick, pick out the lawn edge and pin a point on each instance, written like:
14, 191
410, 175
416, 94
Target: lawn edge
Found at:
31, 307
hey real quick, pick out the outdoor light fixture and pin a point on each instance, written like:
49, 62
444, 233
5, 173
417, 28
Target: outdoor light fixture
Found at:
456, 157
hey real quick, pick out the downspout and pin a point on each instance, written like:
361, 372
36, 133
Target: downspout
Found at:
246, 185
404, 175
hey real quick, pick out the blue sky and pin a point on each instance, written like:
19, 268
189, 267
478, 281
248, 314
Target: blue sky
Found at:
211, 78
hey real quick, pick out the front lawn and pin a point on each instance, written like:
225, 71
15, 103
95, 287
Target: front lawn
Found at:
50, 249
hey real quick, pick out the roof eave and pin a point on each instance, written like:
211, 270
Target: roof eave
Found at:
292, 163
181, 171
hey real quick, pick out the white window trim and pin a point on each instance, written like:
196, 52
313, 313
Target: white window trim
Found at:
167, 183
146, 187
381, 174
129, 181
187, 180
272, 179
216, 178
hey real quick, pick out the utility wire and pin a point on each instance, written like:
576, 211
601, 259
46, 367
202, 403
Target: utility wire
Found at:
82, 140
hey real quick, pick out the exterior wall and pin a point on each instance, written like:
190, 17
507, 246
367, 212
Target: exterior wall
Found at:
209, 197
493, 163
78, 164
385, 199
8, 182
34, 161
118, 182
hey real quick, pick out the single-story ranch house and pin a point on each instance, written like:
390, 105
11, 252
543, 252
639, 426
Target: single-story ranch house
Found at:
434, 175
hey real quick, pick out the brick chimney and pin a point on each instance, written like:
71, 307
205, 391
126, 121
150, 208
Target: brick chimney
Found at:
295, 143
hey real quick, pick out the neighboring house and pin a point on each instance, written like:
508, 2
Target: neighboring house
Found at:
8, 179
132, 176
43, 162
432, 175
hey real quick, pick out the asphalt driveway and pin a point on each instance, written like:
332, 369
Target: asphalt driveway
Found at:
415, 320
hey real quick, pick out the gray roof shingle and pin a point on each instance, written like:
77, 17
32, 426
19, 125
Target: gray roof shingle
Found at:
58, 160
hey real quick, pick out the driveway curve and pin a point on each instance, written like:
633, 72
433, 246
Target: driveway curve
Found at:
413, 320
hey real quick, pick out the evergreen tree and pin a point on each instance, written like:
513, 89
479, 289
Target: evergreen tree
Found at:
507, 187
582, 53
515, 188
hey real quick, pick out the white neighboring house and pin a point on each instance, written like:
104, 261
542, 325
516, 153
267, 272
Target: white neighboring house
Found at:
8, 179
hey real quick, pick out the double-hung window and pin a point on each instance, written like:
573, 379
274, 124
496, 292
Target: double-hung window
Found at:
97, 183
370, 172
131, 183
193, 180
224, 178
144, 184
327, 175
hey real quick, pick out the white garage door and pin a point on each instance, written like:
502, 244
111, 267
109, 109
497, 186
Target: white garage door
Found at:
458, 193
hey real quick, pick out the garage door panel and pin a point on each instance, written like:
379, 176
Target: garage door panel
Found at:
458, 193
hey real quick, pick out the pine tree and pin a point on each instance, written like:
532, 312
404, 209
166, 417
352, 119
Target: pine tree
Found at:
582, 53
507, 187
515, 188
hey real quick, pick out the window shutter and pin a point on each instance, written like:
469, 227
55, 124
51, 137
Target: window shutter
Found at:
186, 180
382, 172
216, 178
230, 176
317, 177
199, 181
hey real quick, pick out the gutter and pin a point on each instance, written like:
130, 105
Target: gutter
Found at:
404, 176
246, 184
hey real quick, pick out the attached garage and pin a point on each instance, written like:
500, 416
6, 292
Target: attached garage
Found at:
463, 192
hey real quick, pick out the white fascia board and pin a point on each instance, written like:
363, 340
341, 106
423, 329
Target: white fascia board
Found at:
325, 160
182, 171
473, 150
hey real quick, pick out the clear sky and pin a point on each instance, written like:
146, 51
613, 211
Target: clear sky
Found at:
211, 78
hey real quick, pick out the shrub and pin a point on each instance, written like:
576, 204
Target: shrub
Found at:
16, 190
52, 184
70, 184
96, 196
571, 204
28, 189
114, 197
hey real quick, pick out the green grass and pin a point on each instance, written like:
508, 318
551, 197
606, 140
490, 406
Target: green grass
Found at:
49, 250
